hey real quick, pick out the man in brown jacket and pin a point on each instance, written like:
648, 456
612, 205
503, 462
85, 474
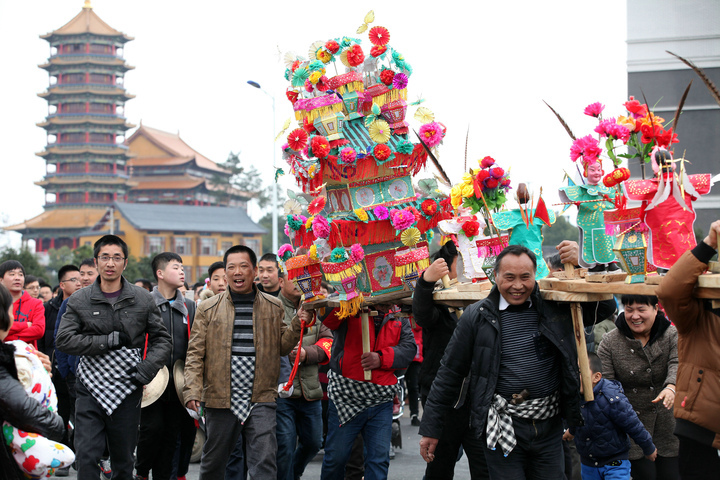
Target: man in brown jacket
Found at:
697, 403
232, 365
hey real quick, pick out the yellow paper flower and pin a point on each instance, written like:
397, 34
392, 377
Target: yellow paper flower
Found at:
315, 76
424, 115
379, 131
467, 178
456, 191
362, 214
313, 252
456, 201
323, 55
311, 170
308, 224
468, 191
410, 237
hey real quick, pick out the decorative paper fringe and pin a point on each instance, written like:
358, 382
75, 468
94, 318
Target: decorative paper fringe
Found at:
412, 267
342, 275
367, 167
350, 308
322, 111
339, 143
346, 232
390, 96
351, 87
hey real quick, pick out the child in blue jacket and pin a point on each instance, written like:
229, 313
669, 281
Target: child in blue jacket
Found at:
603, 441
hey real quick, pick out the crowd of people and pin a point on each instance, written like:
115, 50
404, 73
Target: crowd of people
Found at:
275, 382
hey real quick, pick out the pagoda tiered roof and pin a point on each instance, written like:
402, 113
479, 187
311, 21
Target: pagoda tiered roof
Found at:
87, 148
87, 22
89, 118
82, 179
86, 59
60, 218
78, 89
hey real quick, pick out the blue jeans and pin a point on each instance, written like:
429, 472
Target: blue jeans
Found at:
301, 420
538, 454
621, 472
375, 424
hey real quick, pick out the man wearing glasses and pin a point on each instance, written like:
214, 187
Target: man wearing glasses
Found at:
115, 328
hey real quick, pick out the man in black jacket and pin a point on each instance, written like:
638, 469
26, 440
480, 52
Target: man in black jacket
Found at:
519, 353
162, 421
108, 325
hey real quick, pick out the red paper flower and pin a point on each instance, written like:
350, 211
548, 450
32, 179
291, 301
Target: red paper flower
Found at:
332, 46
355, 55
320, 146
379, 36
377, 51
492, 183
295, 65
636, 108
497, 172
487, 162
665, 139
414, 211
471, 228
308, 126
297, 139
429, 207
317, 205
381, 152
482, 175
292, 96
322, 84
387, 76
650, 133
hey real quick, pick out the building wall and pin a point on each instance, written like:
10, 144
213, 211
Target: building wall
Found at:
204, 248
691, 29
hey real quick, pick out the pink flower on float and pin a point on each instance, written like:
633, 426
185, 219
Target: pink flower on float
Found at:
357, 253
594, 109
381, 212
487, 162
432, 134
402, 219
286, 248
400, 81
586, 148
320, 227
348, 155
611, 129
287, 230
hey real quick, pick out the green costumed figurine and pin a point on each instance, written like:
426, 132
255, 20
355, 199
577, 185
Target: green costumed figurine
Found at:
592, 199
526, 225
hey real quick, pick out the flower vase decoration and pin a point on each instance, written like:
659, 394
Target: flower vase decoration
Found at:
411, 261
483, 191
341, 272
304, 271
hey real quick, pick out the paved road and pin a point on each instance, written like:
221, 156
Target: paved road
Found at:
407, 465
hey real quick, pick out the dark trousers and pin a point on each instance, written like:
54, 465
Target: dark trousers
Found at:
299, 435
160, 426
93, 426
538, 454
66, 396
235, 468
458, 435
412, 375
663, 468
698, 461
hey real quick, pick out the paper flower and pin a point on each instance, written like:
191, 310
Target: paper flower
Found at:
294, 223
309, 86
609, 128
292, 96
321, 227
316, 66
322, 84
379, 131
361, 214
379, 36
299, 77
315, 77
376, 51
429, 235
586, 148
332, 46
348, 155
308, 223
320, 146
487, 162
357, 253
468, 191
308, 125
636, 109
424, 115
355, 55
471, 228
491, 183
410, 237
313, 253
297, 140
405, 147
431, 134
323, 247
381, 212
402, 219
594, 109
292, 207
497, 172
317, 205
323, 55
285, 252
381, 152
429, 207
387, 76
338, 255
400, 81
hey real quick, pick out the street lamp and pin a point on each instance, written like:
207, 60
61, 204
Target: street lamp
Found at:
274, 182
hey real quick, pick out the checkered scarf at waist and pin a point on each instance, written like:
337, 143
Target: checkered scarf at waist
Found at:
106, 377
499, 422
352, 397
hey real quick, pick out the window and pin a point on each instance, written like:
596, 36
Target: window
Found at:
72, 108
72, 78
100, 78
224, 247
253, 244
154, 245
208, 246
182, 246
71, 138
101, 138
188, 274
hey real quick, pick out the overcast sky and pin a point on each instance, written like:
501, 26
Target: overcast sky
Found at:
486, 65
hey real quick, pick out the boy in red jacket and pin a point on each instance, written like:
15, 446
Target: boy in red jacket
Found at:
29, 312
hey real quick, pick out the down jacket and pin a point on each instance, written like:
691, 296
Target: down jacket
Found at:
475, 349
21, 411
609, 419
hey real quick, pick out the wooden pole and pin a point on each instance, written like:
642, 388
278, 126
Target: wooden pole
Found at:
585, 374
569, 270
365, 323
446, 281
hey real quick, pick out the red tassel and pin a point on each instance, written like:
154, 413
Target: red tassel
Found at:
297, 359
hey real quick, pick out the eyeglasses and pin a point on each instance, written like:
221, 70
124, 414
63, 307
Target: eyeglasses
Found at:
107, 258
73, 280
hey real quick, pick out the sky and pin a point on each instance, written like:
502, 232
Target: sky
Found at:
483, 66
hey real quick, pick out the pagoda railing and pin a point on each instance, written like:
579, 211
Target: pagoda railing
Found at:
103, 56
80, 85
84, 144
85, 114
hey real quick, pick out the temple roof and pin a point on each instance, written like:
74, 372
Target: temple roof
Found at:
81, 149
82, 179
59, 90
87, 21
169, 148
165, 182
86, 58
79, 119
75, 218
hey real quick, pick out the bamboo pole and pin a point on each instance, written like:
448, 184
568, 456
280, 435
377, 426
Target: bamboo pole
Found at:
584, 363
365, 323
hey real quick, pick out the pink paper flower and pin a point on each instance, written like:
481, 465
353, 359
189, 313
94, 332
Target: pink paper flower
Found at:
611, 129
487, 162
320, 227
594, 109
432, 134
381, 212
357, 253
348, 155
586, 148
285, 252
400, 81
402, 219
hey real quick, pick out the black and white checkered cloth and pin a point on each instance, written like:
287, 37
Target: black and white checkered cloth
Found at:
499, 422
106, 377
352, 397
242, 371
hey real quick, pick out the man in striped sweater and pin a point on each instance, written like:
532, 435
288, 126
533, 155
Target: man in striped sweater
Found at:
512, 356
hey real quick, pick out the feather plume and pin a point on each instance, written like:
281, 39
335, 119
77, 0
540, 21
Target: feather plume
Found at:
708, 83
676, 118
467, 136
562, 122
445, 178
